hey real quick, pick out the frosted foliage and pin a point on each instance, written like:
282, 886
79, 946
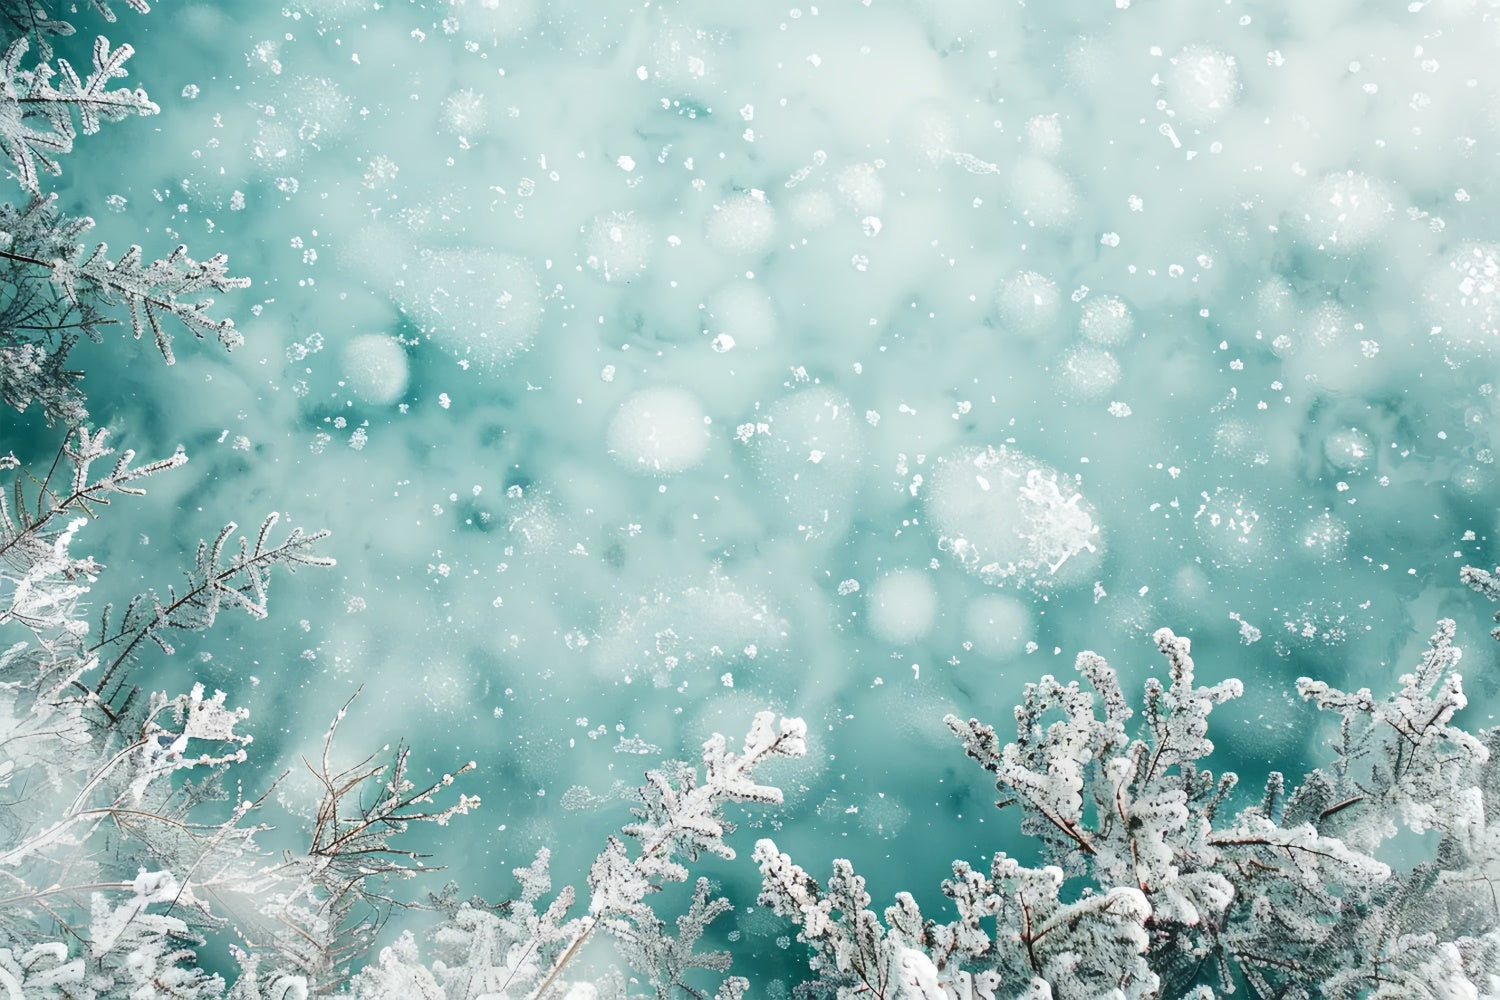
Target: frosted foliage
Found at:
482, 307
809, 457
1463, 296
742, 225
661, 361
1042, 193
902, 606
659, 432
1344, 212
728, 711
1163, 885
998, 625
1027, 303
1228, 523
618, 246
1106, 320
1009, 519
1202, 84
375, 368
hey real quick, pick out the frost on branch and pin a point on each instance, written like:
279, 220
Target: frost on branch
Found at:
320, 910
677, 817
42, 584
58, 288
95, 785
1402, 754
1042, 946
1486, 583
36, 117
61, 288
530, 948
221, 576
1151, 890
1122, 806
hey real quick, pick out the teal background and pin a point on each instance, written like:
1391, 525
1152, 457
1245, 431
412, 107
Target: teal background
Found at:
511, 588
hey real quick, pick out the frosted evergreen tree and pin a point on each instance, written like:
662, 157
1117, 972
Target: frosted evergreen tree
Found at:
525, 950
59, 288
1149, 890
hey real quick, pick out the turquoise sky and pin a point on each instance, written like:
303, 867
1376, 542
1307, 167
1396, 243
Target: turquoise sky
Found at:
656, 363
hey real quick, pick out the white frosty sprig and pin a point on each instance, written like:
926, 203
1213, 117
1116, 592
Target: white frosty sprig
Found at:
1153, 893
677, 816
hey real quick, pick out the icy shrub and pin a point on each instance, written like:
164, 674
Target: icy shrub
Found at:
1151, 887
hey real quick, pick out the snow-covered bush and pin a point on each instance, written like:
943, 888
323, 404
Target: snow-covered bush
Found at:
1151, 888
130, 837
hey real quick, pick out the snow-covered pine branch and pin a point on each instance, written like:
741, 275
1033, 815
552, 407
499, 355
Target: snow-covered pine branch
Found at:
1152, 892
1486, 583
677, 817
217, 578
1042, 945
40, 237
31, 19
36, 117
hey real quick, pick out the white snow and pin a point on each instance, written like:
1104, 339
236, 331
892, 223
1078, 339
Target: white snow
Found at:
1345, 212
481, 306
1044, 134
812, 210
1088, 372
618, 246
375, 368
742, 311
1348, 449
1042, 193
1027, 302
1202, 84
742, 224
1008, 518
860, 188
1106, 320
810, 459
659, 431
1463, 295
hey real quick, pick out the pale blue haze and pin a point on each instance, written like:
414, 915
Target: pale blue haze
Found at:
702, 312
